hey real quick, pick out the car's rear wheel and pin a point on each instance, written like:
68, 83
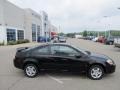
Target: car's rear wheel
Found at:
31, 70
96, 72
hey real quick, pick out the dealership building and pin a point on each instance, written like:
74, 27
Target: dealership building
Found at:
18, 24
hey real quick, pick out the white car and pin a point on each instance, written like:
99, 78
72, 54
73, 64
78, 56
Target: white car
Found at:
55, 40
117, 42
62, 39
95, 39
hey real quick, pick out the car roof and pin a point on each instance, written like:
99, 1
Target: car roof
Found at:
58, 44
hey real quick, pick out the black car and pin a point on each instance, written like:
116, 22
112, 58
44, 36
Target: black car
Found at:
109, 41
62, 57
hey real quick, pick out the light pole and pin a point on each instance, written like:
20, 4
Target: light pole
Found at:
105, 27
98, 33
109, 34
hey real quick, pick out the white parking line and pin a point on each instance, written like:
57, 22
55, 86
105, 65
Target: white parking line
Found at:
55, 79
66, 79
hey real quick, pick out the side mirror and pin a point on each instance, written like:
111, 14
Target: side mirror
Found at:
88, 52
78, 56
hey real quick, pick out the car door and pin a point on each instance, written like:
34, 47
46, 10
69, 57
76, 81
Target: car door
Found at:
64, 57
42, 54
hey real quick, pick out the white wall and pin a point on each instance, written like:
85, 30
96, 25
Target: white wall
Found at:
3, 36
31, 17
1, 12
13, 15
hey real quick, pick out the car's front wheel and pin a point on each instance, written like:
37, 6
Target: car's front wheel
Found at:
96, 72
31, 70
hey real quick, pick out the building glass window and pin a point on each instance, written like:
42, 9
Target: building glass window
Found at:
11, 35
38, 31
20, 34
46, 18
33, 32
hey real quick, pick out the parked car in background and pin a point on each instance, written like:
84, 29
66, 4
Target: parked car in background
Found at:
62, 39
95, 39
55, 40
109, 41
117, 42
78, 36
43, 39
62, 57
101, 39
90, 37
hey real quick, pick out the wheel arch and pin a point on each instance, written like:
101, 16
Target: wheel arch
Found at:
100, 64
30, 61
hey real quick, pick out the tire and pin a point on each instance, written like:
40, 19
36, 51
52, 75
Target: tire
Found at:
96, 72
110, 43
31, 70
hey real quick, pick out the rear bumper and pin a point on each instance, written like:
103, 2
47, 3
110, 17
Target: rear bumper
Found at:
17, 63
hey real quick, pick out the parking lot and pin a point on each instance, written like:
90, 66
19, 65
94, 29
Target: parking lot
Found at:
14, 79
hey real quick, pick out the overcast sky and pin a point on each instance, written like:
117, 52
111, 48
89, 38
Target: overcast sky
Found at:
78, 15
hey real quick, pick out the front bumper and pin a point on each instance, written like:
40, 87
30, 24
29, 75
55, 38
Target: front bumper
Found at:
110, 68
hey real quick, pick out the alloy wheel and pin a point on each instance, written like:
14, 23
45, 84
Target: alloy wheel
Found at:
31, 70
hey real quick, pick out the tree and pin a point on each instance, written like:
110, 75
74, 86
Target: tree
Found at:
85, 33
61, 34
91, 34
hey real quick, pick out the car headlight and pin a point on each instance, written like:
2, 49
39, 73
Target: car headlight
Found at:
110, 62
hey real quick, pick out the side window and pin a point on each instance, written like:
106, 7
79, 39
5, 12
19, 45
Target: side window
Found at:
55, 49
42, 50
63, 51
68, 51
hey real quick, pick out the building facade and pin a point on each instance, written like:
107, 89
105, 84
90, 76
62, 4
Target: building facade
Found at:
11, 22
33, 25
45, 24
18, 24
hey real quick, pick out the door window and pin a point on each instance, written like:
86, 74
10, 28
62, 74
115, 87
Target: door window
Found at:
63, 51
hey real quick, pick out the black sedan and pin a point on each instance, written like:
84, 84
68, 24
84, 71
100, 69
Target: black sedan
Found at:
62, 57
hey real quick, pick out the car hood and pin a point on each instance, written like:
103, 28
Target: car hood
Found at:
98, 56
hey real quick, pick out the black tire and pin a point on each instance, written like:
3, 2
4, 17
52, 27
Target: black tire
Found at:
90, 71
110, 43
35, 70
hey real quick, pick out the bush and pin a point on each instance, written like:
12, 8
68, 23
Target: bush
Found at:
18, 42
2, 44
22, 41
26, 41
12, 43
